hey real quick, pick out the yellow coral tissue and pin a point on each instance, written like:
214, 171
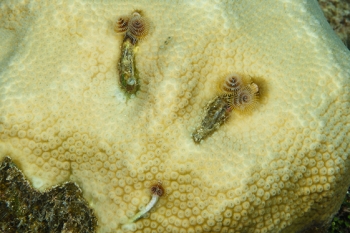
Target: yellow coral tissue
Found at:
64, 116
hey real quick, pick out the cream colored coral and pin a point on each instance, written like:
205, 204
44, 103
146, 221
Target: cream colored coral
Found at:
64, 116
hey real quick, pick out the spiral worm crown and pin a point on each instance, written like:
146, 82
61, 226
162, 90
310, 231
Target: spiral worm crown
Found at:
233, 82
138, 27
122, 24
246, 98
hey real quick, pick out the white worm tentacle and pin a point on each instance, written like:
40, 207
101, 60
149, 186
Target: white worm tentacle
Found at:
142, 212
157, 191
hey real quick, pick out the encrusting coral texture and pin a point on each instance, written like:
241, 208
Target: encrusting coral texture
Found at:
283, 167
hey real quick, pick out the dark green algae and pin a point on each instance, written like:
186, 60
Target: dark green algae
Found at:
23, 209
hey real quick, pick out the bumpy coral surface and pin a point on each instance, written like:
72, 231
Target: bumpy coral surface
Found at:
63, 115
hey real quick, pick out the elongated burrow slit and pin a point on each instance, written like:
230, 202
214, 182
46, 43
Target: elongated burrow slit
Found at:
217, 111
236, 93
134, 27
129, 81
